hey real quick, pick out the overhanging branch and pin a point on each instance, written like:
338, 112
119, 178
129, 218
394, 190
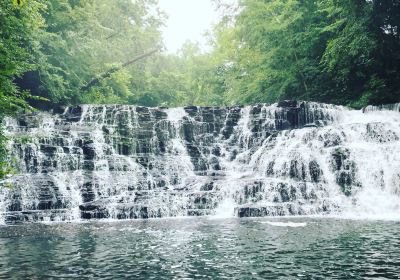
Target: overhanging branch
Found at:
115, 69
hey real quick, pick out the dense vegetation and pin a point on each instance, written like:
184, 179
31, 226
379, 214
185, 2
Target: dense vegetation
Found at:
335, 51
338, 51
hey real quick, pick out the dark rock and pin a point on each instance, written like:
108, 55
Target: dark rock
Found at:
287, 103
59, 110
345, 170
89, 150
207, 187
315, 171
254, 211
73, 114
50, 150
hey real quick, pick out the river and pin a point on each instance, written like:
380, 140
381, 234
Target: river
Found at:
203, 248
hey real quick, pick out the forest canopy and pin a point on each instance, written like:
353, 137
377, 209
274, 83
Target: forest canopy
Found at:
336, 51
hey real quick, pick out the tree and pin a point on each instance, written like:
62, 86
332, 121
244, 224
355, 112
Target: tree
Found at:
20, 25
336, 51
83, 39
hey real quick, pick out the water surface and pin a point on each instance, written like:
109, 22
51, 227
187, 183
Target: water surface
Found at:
201, 248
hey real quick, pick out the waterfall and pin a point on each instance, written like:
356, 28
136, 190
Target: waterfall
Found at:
128, 162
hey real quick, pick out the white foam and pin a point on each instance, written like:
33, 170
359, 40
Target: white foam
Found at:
285, 224
175, 115
226, 209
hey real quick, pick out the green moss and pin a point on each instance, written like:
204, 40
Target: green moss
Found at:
7, 185
22, 139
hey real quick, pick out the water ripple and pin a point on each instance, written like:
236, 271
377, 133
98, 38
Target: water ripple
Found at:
203, 248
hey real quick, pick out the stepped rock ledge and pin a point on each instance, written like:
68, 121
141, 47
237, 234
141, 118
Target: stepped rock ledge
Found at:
130, 162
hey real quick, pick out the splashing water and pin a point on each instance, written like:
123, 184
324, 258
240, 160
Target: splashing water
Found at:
286, 224
225, 209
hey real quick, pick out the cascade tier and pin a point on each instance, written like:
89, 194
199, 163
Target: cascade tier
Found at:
128, 162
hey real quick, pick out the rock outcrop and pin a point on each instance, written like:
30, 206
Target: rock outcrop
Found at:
128, 162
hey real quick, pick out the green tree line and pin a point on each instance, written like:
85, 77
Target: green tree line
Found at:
336, 51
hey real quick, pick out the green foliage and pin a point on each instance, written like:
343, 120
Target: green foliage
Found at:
338, 51
6, 162
20, 25
4, 168
83, 39
18, 46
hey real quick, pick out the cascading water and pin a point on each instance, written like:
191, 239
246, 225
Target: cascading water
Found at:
127, 162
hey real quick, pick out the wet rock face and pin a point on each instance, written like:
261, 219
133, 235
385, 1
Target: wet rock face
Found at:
127, 162
273, 210
345, 170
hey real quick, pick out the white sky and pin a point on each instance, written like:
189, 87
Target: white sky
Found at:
187, 20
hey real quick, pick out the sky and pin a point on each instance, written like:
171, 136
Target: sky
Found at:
187, 20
